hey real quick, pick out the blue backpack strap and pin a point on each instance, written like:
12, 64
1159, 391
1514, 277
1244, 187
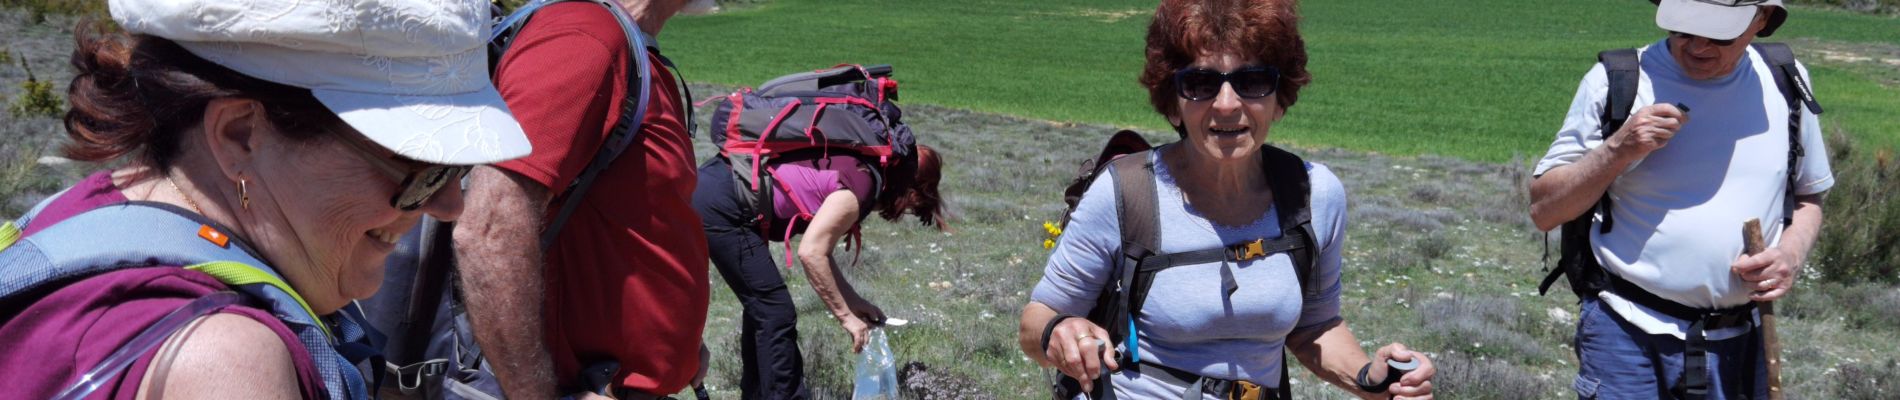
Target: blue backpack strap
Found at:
625, 130
140, 234
112, 237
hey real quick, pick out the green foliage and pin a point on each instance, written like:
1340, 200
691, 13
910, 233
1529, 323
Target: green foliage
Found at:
41, 8
1860, 238
1888, 7
1478, 79
37, 98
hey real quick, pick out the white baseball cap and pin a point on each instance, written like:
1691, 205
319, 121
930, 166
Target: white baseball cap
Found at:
412, 75
1716, 19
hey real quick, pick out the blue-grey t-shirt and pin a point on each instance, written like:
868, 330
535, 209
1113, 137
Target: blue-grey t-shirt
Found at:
1188, 322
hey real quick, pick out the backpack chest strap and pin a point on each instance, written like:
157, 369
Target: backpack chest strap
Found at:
1244, 251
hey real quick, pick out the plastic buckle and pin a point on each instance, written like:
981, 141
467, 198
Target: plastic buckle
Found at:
409, 377
1250, 250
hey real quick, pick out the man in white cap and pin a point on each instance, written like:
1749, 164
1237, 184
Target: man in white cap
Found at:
625, 279
1656, 201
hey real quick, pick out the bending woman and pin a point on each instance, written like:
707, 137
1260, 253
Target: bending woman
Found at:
843, 187
1222, 72
265, 166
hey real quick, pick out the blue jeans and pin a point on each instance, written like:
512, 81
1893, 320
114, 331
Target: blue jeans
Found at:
1619, 361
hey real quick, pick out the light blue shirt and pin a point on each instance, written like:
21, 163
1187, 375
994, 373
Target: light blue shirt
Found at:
1189, 322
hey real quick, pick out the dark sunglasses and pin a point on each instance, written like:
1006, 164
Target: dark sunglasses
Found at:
1197, 84
1719, 43
419, 183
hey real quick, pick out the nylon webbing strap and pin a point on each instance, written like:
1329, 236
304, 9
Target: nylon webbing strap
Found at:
1624, 70
625, 130
1291, 240
1794, 91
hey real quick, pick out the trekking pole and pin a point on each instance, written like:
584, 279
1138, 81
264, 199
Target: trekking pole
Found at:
1753, 243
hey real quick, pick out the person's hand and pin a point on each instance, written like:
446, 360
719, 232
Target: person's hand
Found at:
1649, 129
705, 361
859, 330
1768, 275
1413, 385
1073, 347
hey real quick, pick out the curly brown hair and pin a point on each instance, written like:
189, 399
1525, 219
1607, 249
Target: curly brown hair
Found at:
135, 95
1266, 31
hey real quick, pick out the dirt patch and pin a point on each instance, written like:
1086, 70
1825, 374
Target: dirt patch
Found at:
1104, 16
1881, 59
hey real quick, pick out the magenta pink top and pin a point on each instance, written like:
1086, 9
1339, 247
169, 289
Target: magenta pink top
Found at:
60, 336
804, 184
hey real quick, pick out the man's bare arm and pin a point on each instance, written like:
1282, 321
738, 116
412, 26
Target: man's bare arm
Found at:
498, 249
1563, 193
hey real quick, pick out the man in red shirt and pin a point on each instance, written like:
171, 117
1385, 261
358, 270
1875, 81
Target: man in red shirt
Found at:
619, 283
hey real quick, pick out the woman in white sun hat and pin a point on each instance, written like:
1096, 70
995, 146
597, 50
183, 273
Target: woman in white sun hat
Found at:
265, 157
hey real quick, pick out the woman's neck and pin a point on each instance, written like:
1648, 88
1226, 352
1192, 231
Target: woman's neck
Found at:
1204, 173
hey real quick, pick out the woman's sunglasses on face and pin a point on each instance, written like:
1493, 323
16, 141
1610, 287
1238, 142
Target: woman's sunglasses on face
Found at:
1199, 84
419, 181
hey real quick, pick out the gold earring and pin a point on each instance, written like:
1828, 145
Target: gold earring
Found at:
244, 194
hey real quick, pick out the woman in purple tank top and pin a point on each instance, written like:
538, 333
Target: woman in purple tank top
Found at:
294, 144
824, 198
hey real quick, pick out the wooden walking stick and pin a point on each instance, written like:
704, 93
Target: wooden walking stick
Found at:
1753, 243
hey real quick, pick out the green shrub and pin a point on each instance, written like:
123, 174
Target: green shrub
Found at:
40, 8
1860, 238
36, 98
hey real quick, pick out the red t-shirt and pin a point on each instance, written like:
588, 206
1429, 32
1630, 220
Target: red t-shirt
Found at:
626, 278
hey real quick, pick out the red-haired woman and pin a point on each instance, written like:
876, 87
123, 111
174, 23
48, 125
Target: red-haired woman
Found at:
845, 191
1222, 72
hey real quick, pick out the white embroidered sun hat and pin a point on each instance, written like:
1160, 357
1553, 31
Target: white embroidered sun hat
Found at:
1716, 19
412, 75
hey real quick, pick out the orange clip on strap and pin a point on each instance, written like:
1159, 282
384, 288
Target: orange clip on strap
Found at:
213, 236
1250, 250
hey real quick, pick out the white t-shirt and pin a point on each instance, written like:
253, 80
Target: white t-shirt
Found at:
1678, 212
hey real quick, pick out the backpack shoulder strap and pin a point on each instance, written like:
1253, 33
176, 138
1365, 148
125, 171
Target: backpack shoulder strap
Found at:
113, 237
1794, 91
1624, 70
1292, 196
625, 130
138, 234
1136, 209
1781, 62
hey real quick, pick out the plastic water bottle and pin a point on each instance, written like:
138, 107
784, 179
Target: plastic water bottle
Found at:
877, 370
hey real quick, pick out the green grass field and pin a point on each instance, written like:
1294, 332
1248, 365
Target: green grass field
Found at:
1440, 254
1481, 80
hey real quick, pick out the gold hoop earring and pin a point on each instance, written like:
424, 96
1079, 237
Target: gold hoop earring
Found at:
244, 194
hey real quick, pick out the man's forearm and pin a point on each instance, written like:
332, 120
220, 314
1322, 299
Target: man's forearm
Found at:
1563, 193
1798, 238
499, 255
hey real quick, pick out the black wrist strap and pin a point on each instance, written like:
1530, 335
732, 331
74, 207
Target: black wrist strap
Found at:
1051, 328
1370, 387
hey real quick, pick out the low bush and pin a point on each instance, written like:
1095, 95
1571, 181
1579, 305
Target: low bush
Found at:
1860, 235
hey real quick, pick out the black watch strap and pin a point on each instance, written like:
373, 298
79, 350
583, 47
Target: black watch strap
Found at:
1367, 385
1051, 328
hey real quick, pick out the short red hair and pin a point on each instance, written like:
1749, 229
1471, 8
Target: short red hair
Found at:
911, 188
1266, 31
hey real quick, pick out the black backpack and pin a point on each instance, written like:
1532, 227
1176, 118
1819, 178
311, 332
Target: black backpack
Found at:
847, 109
1137, 209
432, 349
1576, 257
